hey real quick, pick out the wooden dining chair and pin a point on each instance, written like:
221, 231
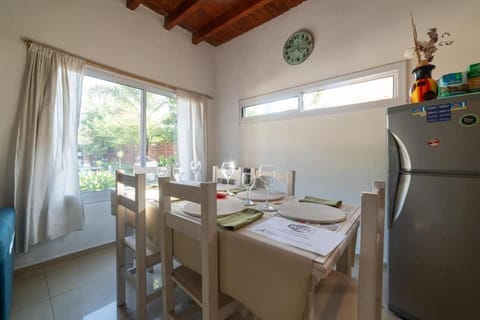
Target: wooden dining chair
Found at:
131, 211
339, 296
202, 288
236, 178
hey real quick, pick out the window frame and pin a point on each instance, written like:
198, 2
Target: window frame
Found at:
90, 197
144, 86
398, 70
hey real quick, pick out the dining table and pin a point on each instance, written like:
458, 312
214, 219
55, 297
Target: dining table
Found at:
273, 280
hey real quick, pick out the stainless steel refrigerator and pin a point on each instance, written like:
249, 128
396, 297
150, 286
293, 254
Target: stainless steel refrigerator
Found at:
433, 201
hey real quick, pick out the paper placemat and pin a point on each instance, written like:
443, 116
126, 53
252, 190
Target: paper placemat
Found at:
303, 236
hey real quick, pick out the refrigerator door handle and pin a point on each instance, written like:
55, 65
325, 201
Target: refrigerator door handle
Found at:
403, 156
399, 160
401, 195
393, 174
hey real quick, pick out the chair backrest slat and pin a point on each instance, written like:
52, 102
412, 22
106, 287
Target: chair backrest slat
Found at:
184, 192
126, 179
127, 203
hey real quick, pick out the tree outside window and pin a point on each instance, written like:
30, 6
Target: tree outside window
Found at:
109, 131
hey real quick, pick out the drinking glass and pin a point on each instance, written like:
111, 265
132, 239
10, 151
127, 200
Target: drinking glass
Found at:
195, 165
267, 175
162, 172
177, 173
248, 181
228, 167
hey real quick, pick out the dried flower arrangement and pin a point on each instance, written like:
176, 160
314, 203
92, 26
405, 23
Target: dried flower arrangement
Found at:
424, 51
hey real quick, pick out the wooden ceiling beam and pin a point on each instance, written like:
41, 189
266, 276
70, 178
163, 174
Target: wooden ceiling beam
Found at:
181, 12
133, 4
244, 9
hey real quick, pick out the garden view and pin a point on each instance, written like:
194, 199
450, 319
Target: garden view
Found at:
109, 135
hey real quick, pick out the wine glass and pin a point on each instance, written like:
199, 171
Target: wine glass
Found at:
195, 165
228, 167
267, 175
177, 173
248, 181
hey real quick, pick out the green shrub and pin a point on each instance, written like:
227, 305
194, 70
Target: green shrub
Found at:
96, 181
164, 161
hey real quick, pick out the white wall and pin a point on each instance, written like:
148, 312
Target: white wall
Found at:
104, 31
100, 229
335, 156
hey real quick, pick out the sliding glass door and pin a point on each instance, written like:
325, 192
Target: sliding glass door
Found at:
123, 124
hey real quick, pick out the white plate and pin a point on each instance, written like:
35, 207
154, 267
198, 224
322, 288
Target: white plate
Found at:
259, 195
311, 212
225, 207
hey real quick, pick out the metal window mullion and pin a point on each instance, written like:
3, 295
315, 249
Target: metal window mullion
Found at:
300, 101
396, 84
143, 128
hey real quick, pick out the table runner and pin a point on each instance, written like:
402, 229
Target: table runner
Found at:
269, 278
272, 281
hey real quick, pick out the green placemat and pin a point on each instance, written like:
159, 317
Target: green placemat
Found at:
240, 219
331, 203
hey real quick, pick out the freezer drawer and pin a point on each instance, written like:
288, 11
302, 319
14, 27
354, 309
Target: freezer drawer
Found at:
434, 248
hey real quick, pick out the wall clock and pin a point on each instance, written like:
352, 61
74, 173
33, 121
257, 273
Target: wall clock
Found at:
298, 47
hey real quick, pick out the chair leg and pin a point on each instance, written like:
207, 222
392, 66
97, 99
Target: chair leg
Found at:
141, 298
167, 269
141, 269
120, 236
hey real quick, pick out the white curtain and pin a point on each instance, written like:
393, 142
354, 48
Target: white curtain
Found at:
192, 132
47, 192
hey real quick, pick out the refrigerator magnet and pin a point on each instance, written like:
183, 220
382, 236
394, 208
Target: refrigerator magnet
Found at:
433, 143
439, 113
419, 112
459, 106
469, 120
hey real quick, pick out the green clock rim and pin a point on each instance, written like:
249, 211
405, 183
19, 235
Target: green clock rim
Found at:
309, 53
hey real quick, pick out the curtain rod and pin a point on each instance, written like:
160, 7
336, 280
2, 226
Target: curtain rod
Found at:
28, 42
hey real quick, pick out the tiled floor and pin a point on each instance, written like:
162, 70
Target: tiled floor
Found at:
82, 288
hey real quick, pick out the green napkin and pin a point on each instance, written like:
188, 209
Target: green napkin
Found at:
236, 190
240, 219
233, 190
331, 203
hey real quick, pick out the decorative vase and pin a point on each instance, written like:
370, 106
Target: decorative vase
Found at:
424, 88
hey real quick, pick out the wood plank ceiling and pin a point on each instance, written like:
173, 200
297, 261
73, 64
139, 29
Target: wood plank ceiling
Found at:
216, 21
